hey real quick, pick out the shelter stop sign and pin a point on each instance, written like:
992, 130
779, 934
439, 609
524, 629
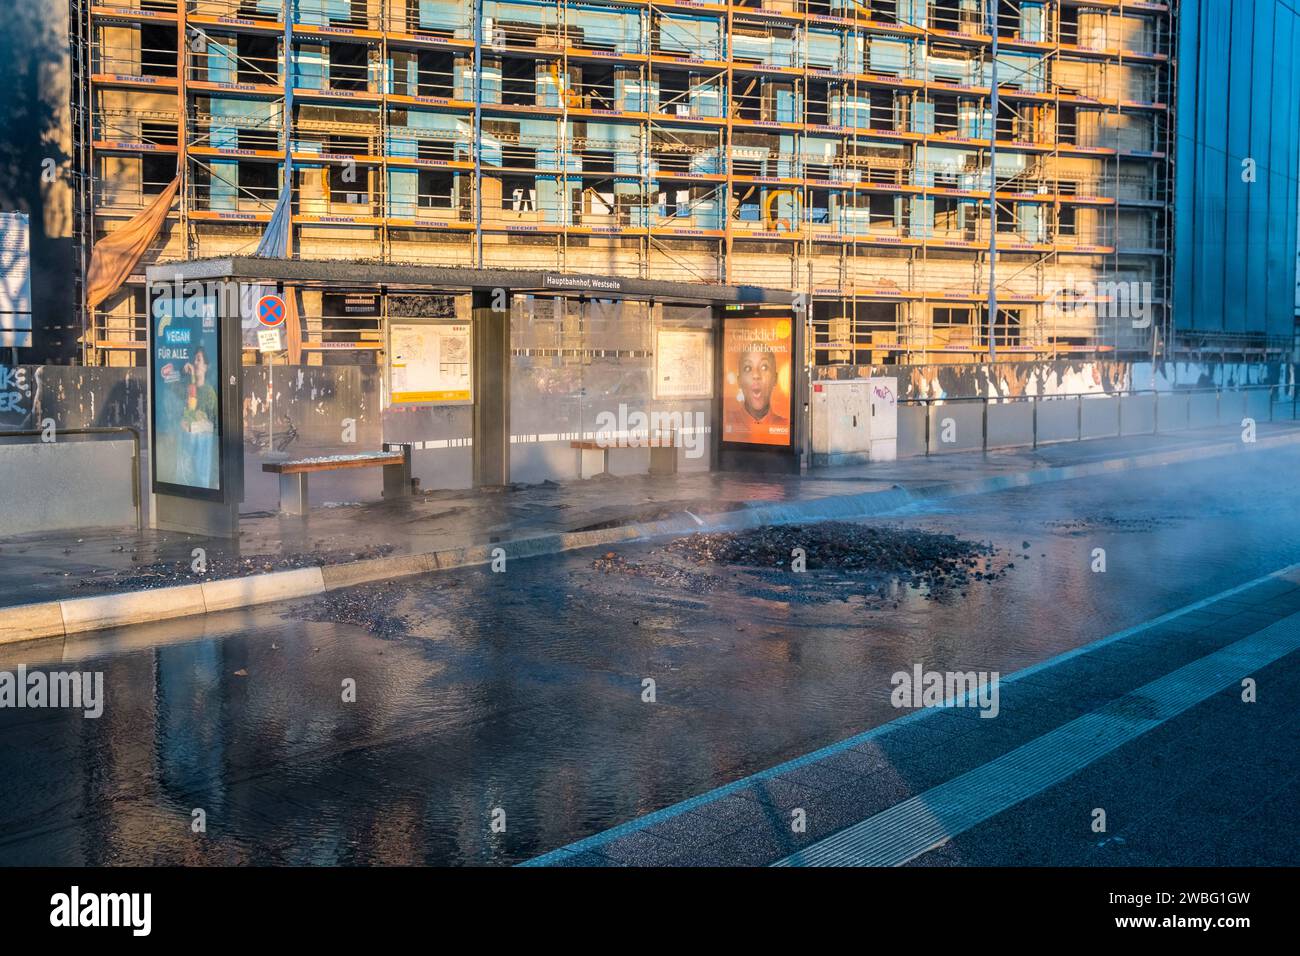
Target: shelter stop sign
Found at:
270, 311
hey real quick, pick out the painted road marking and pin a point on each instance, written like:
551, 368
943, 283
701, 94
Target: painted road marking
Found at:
930, 819
597, 840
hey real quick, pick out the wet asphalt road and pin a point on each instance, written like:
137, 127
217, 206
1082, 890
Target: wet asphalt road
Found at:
522, 692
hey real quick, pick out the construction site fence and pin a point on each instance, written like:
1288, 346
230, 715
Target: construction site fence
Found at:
935, 426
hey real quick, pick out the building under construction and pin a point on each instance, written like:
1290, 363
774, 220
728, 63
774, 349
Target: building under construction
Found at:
886, 159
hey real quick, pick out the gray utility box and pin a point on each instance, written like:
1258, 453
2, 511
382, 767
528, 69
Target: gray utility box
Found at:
854, 421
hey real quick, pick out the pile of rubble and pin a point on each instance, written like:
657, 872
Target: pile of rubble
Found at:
911, 557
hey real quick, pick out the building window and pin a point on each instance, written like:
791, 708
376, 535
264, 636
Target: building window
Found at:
349, 69
946, 317
157, 50
156, 172
1007, 332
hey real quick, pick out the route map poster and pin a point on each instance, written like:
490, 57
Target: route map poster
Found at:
684, 363
429, 363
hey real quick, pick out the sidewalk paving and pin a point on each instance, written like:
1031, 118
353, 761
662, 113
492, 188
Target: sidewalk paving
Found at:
1117, 724
361, 542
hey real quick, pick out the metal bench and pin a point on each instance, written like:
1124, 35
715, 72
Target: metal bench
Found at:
395, 459
663, 453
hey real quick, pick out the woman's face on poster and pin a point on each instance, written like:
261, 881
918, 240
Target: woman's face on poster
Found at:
757, 379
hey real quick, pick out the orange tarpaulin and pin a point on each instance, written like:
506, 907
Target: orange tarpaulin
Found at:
116, 255
292, 326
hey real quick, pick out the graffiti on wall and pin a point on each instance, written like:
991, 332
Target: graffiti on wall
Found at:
1099, 377
315, 401
316, 409
71, 396
16, 387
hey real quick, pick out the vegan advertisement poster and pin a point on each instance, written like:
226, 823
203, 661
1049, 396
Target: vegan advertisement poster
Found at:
186, 408
757, 356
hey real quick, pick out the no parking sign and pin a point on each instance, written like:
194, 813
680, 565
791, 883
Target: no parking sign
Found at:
270, 311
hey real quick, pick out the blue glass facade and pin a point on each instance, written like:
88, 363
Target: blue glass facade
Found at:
1236, 162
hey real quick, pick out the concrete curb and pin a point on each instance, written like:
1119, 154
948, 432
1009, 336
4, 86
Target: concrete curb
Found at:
31, 622
28, 622
228, 593
133, 607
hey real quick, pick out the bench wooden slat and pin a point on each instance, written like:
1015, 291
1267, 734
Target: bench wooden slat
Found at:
309, 465
597, 446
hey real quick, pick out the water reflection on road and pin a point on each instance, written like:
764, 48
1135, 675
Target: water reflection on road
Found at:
523, 691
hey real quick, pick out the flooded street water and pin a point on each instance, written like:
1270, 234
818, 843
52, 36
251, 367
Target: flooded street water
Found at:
524, 691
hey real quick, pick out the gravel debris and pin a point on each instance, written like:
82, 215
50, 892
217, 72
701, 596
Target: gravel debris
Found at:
162, 574
668, 574
844, 560
877, 559
838, 545
368, 606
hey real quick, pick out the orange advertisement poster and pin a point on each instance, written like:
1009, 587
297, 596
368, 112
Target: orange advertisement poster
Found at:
756, 368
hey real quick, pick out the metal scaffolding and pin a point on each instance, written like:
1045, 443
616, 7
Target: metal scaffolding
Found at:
853, 151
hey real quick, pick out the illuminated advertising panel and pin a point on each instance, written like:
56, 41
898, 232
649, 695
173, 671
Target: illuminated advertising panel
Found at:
757, 369
185, 350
